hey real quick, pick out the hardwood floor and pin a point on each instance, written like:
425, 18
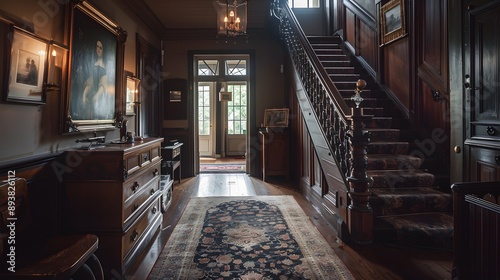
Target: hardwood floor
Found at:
376, 261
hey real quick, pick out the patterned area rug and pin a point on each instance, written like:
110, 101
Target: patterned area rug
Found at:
222, 168
260, 237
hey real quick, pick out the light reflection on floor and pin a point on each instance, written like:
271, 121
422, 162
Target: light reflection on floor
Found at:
226, 185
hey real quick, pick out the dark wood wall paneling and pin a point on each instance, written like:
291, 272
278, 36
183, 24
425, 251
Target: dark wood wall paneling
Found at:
395, 70
350, 28
361, 32
43, 173
413, 68
431, 90
367, 46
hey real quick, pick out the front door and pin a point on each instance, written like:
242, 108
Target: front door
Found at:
482, 90
206, 127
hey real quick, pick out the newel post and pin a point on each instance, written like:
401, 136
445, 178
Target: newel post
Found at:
360, 214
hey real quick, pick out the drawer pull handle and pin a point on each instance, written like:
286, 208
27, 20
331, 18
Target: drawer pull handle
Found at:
497, 159
135, 186
145, 157
156, 172
491, 131
135, 207
153, 210
152, 192
134, 236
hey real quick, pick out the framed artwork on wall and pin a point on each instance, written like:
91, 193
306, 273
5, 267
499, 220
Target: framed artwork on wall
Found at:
175, 96
27, 60
96, 70
276, 117
392, 21
225, 96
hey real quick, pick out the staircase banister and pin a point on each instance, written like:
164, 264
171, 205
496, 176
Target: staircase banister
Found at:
335, 95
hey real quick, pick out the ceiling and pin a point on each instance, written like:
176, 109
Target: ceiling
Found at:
201, 14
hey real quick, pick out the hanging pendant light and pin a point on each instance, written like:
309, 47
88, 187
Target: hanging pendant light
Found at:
231, 19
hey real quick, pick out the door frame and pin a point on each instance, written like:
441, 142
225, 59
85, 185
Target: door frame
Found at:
456, 76
213, 122
252, 155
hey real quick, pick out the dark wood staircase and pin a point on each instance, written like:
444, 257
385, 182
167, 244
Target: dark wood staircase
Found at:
408, 206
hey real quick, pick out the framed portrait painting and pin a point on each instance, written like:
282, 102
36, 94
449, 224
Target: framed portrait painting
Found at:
392, 21
96, 68
27, 67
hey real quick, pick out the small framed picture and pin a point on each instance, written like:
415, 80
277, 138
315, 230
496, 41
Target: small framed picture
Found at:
392, 21
276, 117
175, 96
28, 65
225, 96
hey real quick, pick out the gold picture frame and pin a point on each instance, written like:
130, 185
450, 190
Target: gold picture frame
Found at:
392, 21
94, 89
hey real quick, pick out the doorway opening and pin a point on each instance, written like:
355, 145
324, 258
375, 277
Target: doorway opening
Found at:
221, 95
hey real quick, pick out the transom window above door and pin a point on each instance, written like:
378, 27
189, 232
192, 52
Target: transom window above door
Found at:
236, 67
208, 67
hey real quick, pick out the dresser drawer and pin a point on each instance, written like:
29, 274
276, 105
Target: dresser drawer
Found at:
155, 153
137, 231
136, 183
136, 202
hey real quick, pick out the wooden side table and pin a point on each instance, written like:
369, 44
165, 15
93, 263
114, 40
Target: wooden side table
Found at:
275, 154
172, 160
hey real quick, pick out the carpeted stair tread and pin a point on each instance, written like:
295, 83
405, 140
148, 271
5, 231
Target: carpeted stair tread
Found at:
432, 230
392, 162
409, 200
375, 111
379, 122
401, 178
399, 148
384, 134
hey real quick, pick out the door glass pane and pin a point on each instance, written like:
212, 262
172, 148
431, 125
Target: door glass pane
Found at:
236, 109
203, 110
208, 67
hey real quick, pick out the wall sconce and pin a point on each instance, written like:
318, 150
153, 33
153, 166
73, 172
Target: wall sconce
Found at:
132, 95
57, 61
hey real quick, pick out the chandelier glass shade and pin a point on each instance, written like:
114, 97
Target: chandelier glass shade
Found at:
231, 18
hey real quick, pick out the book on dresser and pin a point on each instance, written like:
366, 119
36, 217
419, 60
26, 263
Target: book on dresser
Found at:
114, 193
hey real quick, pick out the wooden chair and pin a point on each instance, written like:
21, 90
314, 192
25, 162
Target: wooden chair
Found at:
35, 255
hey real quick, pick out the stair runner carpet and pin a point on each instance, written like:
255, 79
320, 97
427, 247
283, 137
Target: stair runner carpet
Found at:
408, 207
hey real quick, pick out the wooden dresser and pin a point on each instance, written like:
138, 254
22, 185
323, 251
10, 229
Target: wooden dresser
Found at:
113, 192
